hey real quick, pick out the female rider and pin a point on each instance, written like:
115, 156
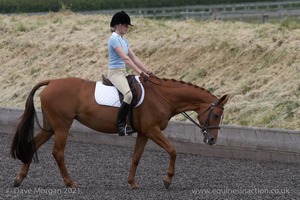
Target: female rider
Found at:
120, 56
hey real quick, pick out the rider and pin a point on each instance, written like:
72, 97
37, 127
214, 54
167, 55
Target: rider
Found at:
121, 55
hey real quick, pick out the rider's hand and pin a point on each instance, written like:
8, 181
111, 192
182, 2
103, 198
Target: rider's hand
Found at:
151, 75
144, 76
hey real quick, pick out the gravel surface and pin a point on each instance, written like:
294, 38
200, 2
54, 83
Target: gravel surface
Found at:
101, 172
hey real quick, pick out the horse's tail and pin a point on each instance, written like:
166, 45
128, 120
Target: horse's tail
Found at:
23, 145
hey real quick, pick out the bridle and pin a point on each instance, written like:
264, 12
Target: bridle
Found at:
208, 137
206, 125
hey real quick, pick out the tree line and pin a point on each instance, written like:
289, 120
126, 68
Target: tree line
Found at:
23, 6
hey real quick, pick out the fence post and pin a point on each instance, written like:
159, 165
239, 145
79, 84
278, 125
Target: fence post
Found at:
265, 18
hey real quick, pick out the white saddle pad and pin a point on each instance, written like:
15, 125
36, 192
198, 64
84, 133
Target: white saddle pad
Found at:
108, 95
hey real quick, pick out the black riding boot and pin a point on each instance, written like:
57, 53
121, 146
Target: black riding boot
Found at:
123, 127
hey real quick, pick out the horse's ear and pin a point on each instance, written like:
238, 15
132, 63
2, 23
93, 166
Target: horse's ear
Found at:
223, 99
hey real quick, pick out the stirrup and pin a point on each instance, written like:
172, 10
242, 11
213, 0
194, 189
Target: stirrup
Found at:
129, 130
126, 130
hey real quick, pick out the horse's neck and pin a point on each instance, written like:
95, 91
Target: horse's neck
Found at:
184, 96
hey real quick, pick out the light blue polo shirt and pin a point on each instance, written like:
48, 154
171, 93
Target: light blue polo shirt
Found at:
115, 61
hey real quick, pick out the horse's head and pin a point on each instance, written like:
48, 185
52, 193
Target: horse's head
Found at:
211, 118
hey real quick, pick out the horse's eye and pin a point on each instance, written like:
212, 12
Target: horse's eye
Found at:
216, 116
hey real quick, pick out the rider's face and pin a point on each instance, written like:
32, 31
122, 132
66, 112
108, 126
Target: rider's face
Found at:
122, 28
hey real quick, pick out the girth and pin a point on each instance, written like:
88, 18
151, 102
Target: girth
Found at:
134, 87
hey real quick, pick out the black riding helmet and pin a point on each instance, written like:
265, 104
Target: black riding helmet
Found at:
120, 18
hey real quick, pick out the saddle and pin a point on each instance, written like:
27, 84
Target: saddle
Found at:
134, 87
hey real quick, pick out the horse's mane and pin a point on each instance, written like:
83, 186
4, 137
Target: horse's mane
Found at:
187, 83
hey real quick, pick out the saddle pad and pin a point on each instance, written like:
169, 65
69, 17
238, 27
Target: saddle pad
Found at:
109, 96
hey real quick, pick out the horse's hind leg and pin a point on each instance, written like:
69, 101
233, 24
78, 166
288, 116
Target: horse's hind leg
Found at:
40, 139
58, 153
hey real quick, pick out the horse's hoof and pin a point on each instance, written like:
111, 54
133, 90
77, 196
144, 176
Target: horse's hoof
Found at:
135, 186
73, 185
17, 183
167, 182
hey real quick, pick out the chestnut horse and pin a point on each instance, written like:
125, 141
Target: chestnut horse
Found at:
64, 100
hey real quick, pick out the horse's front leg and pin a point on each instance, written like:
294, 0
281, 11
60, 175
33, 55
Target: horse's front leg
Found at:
159, 138
140, 144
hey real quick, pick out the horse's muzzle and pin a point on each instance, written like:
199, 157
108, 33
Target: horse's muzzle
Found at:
208, 139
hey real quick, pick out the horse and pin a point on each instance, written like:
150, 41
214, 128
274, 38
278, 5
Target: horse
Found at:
65, 99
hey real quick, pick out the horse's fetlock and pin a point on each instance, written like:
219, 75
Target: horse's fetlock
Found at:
22, 175
130, 181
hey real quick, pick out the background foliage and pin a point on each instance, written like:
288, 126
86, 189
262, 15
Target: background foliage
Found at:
19, 6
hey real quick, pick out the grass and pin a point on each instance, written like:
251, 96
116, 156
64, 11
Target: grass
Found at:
201, 73
57, 20
289, 23
256, 64
20, 27
63, 7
